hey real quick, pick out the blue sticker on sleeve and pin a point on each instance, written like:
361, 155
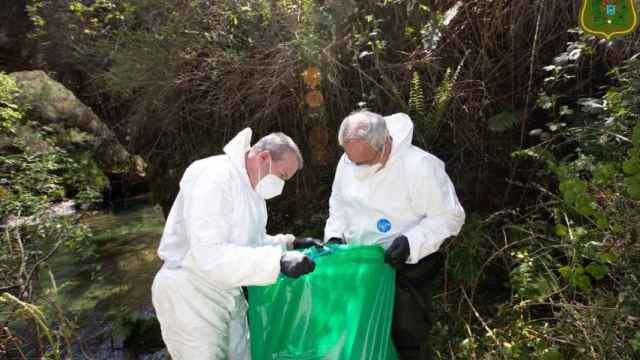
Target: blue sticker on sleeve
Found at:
384, 225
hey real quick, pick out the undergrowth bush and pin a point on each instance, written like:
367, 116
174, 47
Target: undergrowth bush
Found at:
572, 254
38, 171
179, 79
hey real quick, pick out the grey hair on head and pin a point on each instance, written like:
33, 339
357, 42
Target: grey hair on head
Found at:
277, 144
366, 126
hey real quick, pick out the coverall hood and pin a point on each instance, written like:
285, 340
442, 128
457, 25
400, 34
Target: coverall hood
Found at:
401, 130
237, 148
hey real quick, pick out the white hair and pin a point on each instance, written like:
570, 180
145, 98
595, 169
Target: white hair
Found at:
277, 144
364, 125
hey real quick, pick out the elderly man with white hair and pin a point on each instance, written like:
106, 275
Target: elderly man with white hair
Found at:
214, 242
388, 192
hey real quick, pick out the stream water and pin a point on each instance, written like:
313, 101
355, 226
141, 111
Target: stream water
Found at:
109, 298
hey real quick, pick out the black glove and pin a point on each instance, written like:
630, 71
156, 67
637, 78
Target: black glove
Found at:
295, 264
303, 243
398, 252
335, 240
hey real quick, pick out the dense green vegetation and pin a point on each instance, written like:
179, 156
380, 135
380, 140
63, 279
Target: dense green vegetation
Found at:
537, 121
571, 253
39, 168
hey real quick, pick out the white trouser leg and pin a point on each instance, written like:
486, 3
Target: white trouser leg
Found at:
239, 332
195, 319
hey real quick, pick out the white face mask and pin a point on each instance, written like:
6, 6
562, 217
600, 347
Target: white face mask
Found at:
363, 172
269, 186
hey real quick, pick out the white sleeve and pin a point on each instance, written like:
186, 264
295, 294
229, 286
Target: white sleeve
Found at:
336, 224
208, 212
283, 240
435, 196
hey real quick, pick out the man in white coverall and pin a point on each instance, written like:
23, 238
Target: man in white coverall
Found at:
214, 242
388, 192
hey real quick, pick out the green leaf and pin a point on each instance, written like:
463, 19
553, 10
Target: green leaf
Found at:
555, 126
551, 354
631, 166
545, 101
565, 271
503, 121
632, 185
635, 138
564, 110
604, 174
561, 230
592, 105
602, 221
525, 154
605, 257
585, 206
598, 271
575, 276
582, 281
408, 30
635, 342
545, 286
580, 232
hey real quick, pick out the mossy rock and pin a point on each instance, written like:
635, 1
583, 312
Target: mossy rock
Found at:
50, 103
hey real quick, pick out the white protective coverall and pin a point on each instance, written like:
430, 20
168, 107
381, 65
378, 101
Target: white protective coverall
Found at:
411, 195
214, 242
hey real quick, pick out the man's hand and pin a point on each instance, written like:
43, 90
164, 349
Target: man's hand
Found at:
295, 264
303, 243
398, 252
335, 240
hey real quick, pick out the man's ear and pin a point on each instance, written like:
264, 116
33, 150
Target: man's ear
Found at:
264, 155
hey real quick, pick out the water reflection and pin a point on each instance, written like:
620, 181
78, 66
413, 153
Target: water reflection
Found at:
115, 284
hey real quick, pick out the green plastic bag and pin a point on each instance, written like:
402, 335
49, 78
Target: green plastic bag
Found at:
341, 311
